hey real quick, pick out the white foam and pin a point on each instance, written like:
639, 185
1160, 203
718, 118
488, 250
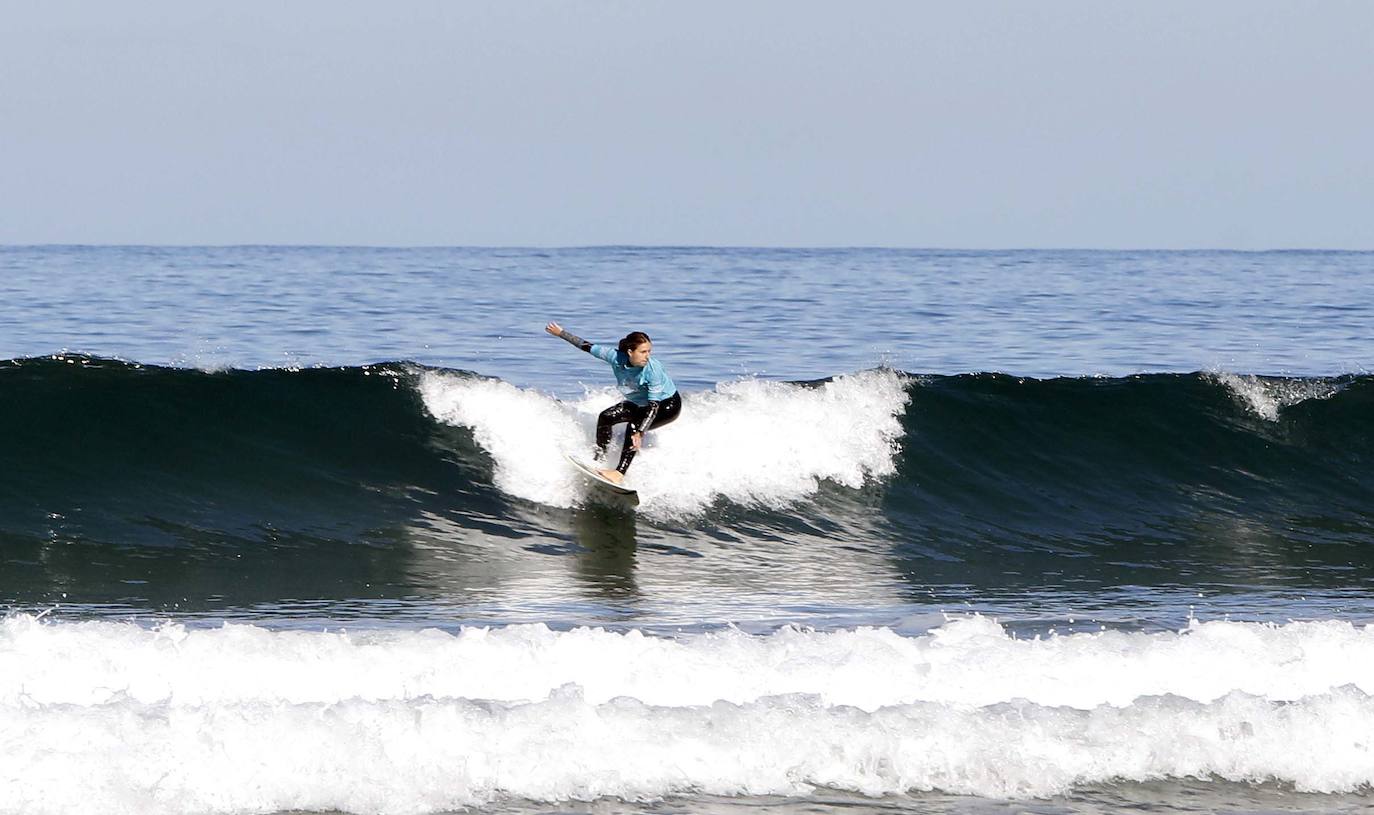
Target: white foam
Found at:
112, 717
439, 755
966, 662
749, 441
525, 432
1266, 396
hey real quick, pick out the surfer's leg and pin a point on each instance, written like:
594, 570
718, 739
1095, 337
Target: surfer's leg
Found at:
668, 411
627, 450
609, 418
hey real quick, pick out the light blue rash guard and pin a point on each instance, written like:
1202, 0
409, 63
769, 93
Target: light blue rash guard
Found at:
640, 385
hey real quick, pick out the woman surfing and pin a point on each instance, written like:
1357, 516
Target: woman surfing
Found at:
651, 398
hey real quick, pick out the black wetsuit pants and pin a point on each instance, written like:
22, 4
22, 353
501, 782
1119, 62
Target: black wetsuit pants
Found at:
641, 418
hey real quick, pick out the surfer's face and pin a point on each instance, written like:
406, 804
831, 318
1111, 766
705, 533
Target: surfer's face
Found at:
639, 355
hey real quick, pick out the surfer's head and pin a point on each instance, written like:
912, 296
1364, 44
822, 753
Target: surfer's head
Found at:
637, 347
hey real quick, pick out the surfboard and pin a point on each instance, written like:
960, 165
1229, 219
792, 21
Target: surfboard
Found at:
601, 481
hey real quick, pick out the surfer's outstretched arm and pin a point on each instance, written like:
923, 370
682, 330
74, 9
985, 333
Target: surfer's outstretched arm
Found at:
558, 331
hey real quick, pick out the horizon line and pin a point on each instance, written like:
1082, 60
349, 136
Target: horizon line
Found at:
671, 246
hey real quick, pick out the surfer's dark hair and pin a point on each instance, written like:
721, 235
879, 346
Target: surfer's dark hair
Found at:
634, 339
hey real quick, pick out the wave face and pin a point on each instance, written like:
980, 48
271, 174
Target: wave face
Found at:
117, 717
123, 452
1269, 474
964, 478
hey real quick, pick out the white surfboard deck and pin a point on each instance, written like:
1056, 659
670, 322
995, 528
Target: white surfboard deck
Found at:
601, 481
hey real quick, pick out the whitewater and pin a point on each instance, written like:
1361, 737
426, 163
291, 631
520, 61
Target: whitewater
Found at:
786, 431
240, 718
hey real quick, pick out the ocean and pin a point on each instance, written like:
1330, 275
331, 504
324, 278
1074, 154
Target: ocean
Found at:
289, 529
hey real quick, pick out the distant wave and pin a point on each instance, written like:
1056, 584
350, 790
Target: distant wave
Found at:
113, 716
115, 452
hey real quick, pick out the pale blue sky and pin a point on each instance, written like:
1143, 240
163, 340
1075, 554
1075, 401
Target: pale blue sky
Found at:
1237, 123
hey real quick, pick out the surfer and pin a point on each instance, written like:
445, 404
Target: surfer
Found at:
651, 398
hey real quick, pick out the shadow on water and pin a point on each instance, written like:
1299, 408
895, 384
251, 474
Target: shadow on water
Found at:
607, 560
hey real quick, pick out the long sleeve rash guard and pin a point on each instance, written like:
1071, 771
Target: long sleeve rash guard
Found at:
645, 386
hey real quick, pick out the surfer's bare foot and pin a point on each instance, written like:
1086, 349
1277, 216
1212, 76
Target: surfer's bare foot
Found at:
614, 476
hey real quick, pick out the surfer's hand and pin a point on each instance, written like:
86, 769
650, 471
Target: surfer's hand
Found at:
635, 439
554, 329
